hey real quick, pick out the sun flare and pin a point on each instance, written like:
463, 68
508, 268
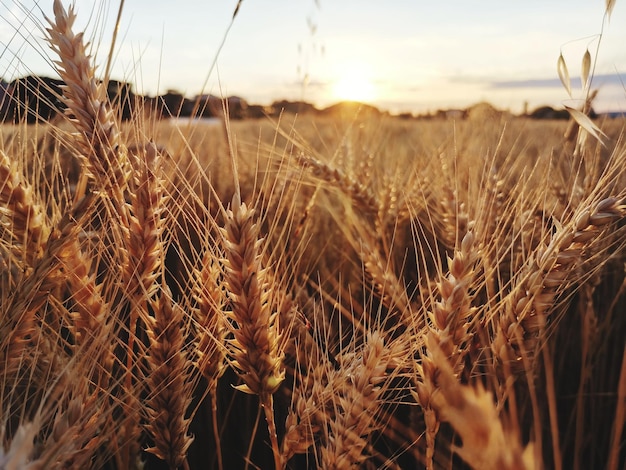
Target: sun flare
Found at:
354, 83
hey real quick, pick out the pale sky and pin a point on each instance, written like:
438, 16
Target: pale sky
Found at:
400, 55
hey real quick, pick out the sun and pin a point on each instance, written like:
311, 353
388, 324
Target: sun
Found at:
354, 83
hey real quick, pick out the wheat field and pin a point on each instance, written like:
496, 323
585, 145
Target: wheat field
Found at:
366, 292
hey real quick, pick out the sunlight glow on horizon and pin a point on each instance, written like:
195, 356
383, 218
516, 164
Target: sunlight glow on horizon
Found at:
354, 83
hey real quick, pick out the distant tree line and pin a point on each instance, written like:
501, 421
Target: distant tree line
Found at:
33, 98
38, 99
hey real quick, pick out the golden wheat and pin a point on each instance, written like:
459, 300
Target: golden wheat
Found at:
388, 294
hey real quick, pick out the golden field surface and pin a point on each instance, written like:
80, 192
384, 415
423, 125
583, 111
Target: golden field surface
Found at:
363, 249
355, 292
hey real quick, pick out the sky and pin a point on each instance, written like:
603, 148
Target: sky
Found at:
400, 55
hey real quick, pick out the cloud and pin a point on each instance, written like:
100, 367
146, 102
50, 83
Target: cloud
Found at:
312, 84
598, 80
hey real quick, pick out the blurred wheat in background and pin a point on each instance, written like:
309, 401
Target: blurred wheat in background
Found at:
314, 293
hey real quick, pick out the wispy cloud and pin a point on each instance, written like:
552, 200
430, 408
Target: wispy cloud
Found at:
598, 80
317, 84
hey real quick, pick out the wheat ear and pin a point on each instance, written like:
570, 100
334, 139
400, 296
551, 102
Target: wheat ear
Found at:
311, 409
19, 453
23, 218
359, 193
311, 399
24, 228
211, 352
358, 400
255, 347
473, 415
89, 318
90, 308
391, 290
146, 213
19, 320
142, 273
74, 414
168, 383
548, 273
86, 100
448, 329
450, 316
212, 330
